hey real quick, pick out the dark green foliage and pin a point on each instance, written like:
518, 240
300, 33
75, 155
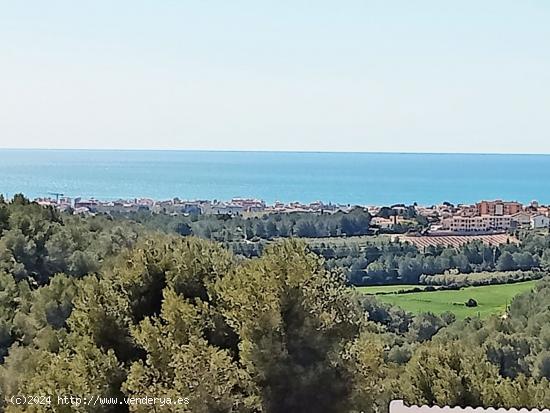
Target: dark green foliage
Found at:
37, 242
373, 262
471, 303
387, 262
90, 306
225, 228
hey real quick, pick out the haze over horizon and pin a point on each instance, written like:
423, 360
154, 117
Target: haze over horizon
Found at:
364, 76
153, 149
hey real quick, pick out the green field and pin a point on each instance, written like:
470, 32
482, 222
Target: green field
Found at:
491, 299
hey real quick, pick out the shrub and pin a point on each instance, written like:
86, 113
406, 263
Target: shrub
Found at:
471, 303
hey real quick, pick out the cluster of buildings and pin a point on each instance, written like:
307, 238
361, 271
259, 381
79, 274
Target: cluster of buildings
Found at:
482, 217
493, 216
234, 207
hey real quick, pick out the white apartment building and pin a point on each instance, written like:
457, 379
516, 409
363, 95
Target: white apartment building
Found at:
482, 223
522, 218
540, 221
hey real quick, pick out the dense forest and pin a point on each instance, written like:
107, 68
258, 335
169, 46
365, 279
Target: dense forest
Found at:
227, 228
113, 307
387, 262
379, 261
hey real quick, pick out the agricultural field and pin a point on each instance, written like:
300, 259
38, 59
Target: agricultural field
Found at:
457, 240
491, 299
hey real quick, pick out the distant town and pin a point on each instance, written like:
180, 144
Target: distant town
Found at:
484, 217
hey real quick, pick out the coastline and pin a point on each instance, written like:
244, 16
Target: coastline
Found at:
343, 178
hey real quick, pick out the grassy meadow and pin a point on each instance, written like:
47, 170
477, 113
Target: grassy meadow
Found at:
491, 299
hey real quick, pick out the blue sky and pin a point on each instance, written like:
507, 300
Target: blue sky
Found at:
398, 76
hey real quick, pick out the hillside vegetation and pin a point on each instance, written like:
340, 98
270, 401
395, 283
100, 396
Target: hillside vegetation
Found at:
102, 307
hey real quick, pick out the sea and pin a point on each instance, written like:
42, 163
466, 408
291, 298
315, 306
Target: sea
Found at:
343, 178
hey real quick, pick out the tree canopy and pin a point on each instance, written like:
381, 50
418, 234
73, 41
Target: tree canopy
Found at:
162, 315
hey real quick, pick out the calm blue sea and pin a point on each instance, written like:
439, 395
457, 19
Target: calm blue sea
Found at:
355, 178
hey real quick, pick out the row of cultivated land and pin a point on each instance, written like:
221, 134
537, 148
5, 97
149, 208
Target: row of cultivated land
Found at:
457, 240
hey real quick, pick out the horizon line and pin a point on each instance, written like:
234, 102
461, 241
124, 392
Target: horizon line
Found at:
271, 151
